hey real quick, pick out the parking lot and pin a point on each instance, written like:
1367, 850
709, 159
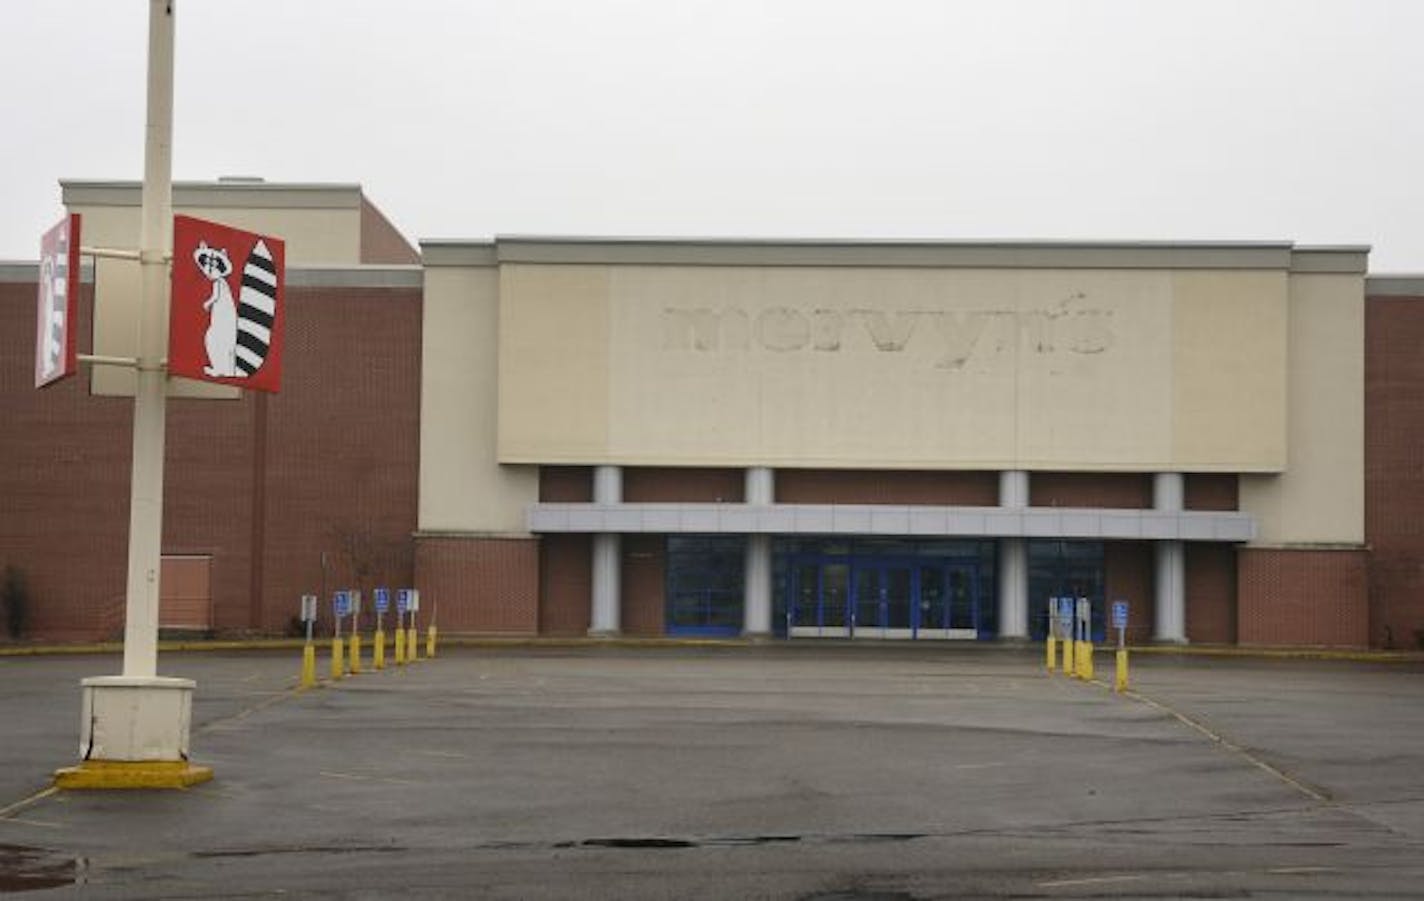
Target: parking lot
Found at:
806, 771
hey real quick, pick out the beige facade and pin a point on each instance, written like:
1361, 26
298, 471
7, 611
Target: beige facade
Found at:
463, 488
1151, 358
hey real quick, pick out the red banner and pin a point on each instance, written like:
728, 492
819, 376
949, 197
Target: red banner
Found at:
228, 305
56, 347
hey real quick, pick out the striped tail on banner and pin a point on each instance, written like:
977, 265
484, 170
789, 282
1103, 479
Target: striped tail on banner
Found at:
256, 309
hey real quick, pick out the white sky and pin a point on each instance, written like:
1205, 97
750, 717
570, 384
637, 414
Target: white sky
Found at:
1191, 120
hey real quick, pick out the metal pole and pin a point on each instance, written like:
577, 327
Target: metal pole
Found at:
155, 246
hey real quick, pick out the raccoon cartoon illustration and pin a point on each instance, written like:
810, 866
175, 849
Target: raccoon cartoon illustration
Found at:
239, 333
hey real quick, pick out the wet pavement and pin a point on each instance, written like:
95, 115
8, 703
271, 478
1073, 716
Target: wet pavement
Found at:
819, 772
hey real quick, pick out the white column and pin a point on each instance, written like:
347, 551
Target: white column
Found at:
1013, 561
756, 611
604, 616
1170, 613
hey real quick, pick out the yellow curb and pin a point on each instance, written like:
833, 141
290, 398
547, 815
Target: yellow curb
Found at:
117, 774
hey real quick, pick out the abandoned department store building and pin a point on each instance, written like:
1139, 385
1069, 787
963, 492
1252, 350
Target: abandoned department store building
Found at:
794, 439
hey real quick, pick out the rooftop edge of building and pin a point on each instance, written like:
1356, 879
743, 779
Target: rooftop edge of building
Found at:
990, 254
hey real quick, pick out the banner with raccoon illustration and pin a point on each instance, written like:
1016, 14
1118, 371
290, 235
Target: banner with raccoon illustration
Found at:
56, 348
227, 309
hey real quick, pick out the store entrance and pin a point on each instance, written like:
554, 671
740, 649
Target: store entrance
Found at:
884, 598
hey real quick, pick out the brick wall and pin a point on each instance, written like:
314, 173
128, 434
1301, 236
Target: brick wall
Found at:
863, 486
566, 484
1116, 490
565, 584
1302, 597
1128, 576
1211, 593
337, 452
644, 593
652, 484
1394, 468
1210, 491
483, 585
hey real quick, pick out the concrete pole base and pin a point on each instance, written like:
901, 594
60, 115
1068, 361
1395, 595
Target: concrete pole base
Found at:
134, 734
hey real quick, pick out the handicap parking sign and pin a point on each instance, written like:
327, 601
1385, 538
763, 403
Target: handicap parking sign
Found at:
402, 600
383, 600
1119, 614
341, 603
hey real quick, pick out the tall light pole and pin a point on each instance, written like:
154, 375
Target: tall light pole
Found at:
135, 726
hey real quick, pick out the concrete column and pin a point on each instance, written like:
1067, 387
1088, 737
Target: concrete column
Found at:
604, 617
756, 611
1013, 561
1170, 612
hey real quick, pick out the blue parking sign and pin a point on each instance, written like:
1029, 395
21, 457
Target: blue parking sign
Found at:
402, 600
341, 603
1119, 614
383, 600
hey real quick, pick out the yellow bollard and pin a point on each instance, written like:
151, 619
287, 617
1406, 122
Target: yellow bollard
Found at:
1120, 681
1068, 657
355, 653
378, 650
400, 646
1085, 664
309, 665
430, 641
338, 666
412, 645
1052, 653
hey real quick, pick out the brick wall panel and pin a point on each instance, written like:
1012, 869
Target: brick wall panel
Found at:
654, 484
1128, 573
1302, 597
1394, 468
908, 487
565, 584
1211, 593
566, 484
482, 585
1115, 490
1211, 491
643, 580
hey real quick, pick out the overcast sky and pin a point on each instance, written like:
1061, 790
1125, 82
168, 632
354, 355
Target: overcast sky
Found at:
1101, 119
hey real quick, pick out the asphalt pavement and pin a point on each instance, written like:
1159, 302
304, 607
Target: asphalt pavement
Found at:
775, 771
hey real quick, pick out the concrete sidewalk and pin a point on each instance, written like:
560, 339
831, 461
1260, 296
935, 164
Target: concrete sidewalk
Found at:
607, 771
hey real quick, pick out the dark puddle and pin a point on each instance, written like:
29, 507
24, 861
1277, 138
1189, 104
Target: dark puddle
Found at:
656, 842
25, 869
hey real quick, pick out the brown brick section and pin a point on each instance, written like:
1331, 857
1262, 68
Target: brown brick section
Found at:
1115, 490
339, 459
566, 484
1394, 468
565, 584
1211, 593
64, 462
1302, 597
865, 486
380, 241
649, 485
482, 585
644, 565
1211, 491
1128, 573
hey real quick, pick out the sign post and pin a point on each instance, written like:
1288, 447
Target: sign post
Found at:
382, 601
412, 640
136, 726
1066, 628
340, 607
308, 650
1051, 656
402, 602
1084, 653
355, 632
1119, 616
